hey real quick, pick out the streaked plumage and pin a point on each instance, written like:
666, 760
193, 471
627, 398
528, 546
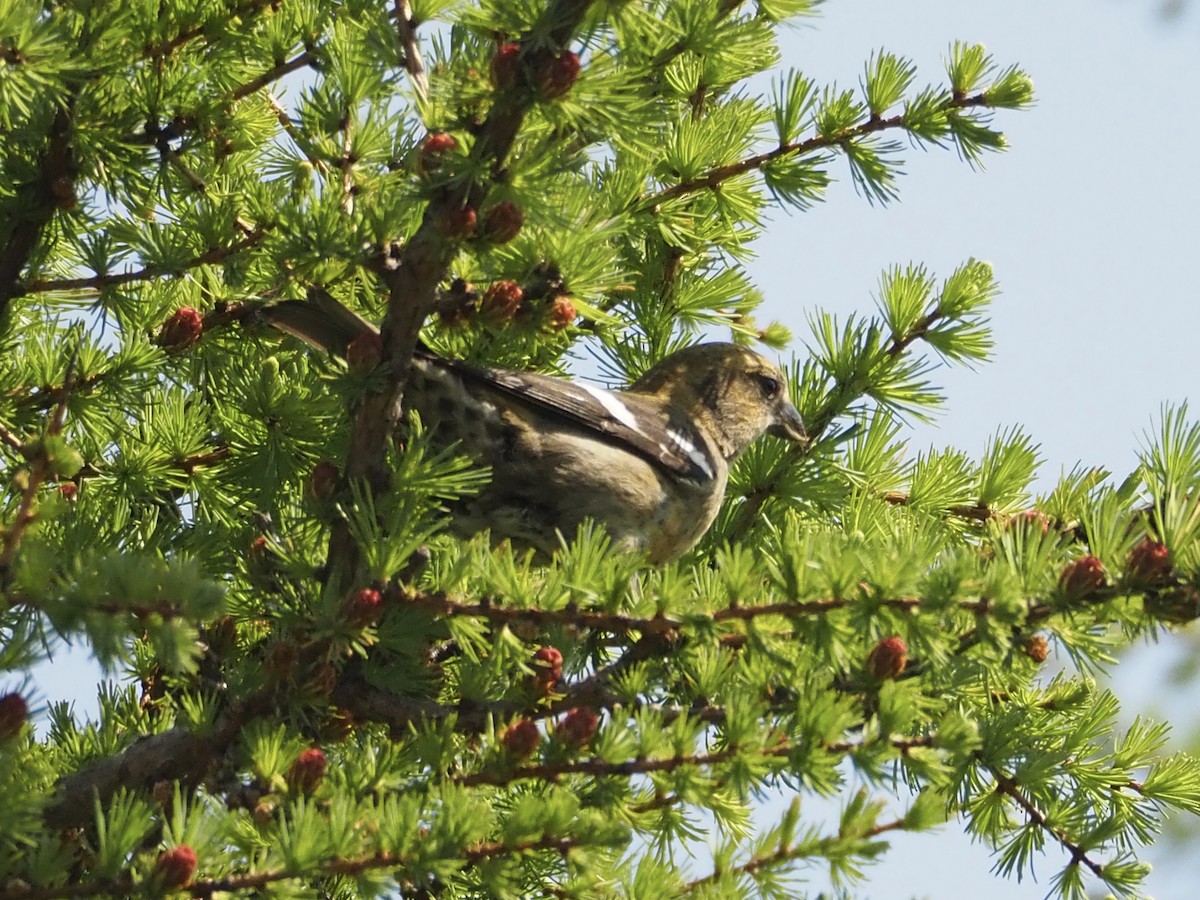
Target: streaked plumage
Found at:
650, 463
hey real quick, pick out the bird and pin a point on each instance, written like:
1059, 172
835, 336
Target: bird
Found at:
650, 463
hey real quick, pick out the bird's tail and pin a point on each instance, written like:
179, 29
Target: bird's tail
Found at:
319, 320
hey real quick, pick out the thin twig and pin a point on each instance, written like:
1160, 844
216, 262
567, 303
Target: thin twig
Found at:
46, 397
194, 181
836, 403
99, 282
307, 58
52, 189
10, 438
714, 177
347, 164
657, 627
199, 185
978, 512
248, 882
787, 853
289, 127
39, 469
596, 767
1011, 789
168, 47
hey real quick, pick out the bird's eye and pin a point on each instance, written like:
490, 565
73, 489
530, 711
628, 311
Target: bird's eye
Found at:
769, 385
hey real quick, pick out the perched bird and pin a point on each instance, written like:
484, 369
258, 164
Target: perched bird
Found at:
649, 463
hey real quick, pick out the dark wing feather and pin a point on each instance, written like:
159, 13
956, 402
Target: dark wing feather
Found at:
674, 445
626, 420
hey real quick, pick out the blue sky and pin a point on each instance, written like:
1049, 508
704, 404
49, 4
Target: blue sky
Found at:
1090, 222
1088, 218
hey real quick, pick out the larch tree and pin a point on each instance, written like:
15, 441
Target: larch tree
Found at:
317, 689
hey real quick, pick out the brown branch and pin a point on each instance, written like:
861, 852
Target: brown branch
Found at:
1012, 790
603, 768
593, 690
48, 396
194, 181
406, 26
15, 443
99, 282
901, 342
791, 608
161, 136
168, 47
11, 55
474, 854
412, 277
190, 464
249, 881
285, 122
368, 703
441, 605
41, 466
176, 754
201, 187
786, 853
978, 512
272, 74
398, 712
716, 176
836, 403
658, 627
182, 123
660, 801
52, 189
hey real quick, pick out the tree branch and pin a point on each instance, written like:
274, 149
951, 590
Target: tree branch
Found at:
168, 47
1011, 789
273, 74
714, 177
659, 627
605, 768
836, 403
176, 754
41, 466
7, 436
406, 26
249, 881
412, 277
978, 512
786, 853
52, 189
285, 122
99, 282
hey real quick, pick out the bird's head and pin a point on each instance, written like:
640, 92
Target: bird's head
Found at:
735, 394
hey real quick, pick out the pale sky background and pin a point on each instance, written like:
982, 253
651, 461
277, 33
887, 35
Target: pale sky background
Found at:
1089, 221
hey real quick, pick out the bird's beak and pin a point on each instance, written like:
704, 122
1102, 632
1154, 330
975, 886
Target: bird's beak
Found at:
788, 424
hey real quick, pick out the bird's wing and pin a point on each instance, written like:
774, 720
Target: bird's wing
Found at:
624, 419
